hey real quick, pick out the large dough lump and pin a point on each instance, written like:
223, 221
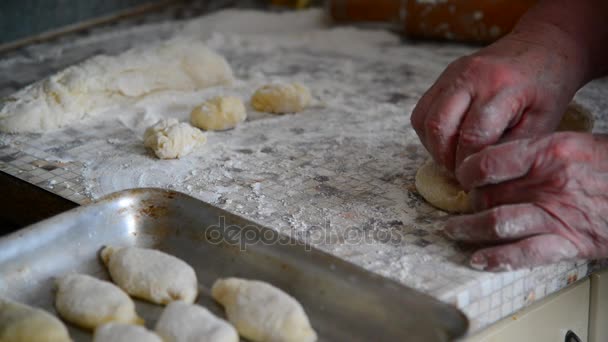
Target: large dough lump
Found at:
120, 332
182, 322
23, 323
102, 81
89, 302
170, 139
150, 274
281, 98
262, 312
219, 113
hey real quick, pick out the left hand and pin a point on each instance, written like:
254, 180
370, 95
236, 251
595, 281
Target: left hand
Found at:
544, 200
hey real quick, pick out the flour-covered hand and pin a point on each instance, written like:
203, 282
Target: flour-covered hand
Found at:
543, 200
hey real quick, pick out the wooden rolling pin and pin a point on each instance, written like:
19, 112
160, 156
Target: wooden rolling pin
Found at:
476, 21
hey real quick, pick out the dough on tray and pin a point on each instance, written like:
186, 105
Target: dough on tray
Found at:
262, 312
183, 322
103, 81
23, 323
219, 113
89, 302
120, 332
441, 190
170, 139
151, 274
281, 98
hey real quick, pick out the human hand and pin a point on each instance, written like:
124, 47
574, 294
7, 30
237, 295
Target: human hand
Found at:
543, 199
515, 88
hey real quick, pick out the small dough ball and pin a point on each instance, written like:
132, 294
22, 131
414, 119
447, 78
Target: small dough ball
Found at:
23, 323
440, 189
281, 98
170, 139
183, 322
577, 119
120, 332
262, 312
219, 113
89, 302
151, 274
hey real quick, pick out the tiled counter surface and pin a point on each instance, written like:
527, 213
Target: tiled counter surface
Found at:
339, 175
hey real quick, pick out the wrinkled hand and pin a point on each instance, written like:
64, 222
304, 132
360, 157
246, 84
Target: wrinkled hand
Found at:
544, 199
512, 89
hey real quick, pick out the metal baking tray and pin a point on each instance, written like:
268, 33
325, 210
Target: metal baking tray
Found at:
343, 301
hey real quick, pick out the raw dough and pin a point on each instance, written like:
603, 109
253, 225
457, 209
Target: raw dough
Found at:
120, 332
89, 302
170, 139
23, 323
151, 274
182, 322
219, 113
262, 312
102, 81
280, 98
441, 190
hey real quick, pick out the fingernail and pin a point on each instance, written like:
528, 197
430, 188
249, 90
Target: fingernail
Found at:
479, 262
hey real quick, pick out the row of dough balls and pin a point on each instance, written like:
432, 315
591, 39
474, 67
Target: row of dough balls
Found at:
171, 139
258, 311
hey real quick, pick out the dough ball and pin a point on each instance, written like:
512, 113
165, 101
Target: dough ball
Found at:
182, 322
577, 119
120, 332
86, 89
89, 302
171, 139
23, 323
219, 113
262, 312
440, 189
151, 274
280, 98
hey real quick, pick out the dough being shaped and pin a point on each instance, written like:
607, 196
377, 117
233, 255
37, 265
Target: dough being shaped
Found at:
280, 98
219, 113
100, 82
183, 322
89, 302
262, 312
170, 139
120, 332
23, 323
151, 274
441, 190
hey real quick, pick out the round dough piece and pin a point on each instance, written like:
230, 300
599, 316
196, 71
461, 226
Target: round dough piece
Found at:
281, 98
151, 274
23, 323
170, 139
219, 113
262, 312
120, 332
182, 322
89, 302
441, 190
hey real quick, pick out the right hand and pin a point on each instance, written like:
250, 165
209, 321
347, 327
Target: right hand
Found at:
518, 87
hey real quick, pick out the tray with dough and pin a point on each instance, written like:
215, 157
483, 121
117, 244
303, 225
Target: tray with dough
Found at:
343, 301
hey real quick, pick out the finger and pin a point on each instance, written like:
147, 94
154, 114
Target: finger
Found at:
509, 192
495, 164
443, 123
485, 123
504, 223
422, 108
533, 251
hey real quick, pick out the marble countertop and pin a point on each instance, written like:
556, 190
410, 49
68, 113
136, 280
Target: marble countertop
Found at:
339, 175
